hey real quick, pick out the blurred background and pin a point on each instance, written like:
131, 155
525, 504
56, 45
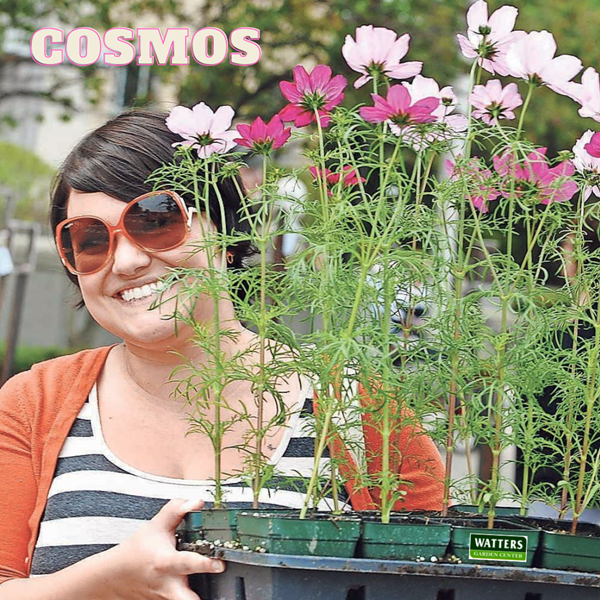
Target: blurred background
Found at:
45, 110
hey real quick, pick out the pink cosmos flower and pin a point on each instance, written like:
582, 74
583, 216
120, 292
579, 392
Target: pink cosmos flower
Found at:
398, 108
593, 147
532, 58
587, 93
316, 91
535, 174
493, 102
377, 52
479, 179
261, 137
427, 87
587, 161
203, 129
488, 39
349, 176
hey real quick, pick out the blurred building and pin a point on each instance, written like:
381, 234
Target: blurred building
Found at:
50, 130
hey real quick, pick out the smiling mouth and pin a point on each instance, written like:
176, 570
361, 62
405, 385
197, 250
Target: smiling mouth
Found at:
143, 291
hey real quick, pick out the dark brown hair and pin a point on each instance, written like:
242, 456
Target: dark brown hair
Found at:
117, 159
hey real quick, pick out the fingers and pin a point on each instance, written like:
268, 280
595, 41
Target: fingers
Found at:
171, 514
188, 563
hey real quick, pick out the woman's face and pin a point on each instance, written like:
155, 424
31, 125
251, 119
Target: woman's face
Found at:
132, 271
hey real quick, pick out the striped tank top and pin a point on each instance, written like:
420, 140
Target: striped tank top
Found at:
96, 501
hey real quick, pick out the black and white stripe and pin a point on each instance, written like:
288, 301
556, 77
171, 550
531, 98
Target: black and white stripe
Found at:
96, 501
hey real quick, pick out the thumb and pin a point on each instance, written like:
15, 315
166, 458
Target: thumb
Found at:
171, 514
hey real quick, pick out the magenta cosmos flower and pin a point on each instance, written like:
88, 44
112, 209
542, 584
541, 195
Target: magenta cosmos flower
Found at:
377, 53
398, 108
493, 102
479, 181
349, 176
593, 146
310, 93
203, 129
532, 58
535, 174
587, 161
427, 87
488, 39
262, 137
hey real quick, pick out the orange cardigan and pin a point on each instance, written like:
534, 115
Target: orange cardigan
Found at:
37, 409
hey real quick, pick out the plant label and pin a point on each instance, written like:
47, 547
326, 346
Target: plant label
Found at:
494, 546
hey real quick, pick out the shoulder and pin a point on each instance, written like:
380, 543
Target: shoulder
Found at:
53, 379
60, 370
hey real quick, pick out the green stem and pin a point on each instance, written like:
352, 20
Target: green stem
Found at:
262, 335
530, 88
576, 257
471, 85
386, 407
323, 435
527, 454
217, 387
497, 415
591, 395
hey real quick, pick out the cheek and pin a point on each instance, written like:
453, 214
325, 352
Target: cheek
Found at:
190, 255
90, 287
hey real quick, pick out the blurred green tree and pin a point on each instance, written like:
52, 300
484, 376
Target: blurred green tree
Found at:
26, 178
311, 32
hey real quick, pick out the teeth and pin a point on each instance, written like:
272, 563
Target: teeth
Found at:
142, 292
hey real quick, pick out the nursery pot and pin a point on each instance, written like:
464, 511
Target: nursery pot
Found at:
191, 527
561, 550
500, 511
211, 524
317, 535
507, 544
403, 538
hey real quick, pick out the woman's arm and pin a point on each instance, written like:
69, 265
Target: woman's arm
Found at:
147, 566
18, 481
413, 456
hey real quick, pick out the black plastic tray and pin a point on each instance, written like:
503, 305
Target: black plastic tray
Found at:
252, 576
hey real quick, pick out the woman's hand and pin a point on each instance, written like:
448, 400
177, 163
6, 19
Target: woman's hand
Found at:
149, 567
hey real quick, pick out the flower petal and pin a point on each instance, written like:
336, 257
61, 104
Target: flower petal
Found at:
289, 91
222, 118
180, 120
301, 79
502, 21
320, 77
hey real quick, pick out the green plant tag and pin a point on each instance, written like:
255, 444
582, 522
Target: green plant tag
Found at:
493, 546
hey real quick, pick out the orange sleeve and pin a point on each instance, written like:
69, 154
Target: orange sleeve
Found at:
422, 468
417, 461
413, 457
18, 483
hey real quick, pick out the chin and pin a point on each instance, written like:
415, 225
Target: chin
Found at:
154, 340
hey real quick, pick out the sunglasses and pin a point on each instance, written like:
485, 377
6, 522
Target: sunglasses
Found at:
154, 222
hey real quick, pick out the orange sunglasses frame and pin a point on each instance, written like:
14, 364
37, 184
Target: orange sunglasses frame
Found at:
120, 228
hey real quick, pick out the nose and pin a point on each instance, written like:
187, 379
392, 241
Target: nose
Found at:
128, 258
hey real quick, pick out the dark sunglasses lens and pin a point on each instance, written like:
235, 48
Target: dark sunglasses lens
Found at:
156, 222
85, 244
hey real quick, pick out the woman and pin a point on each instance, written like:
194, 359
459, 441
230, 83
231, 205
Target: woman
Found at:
97, 469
